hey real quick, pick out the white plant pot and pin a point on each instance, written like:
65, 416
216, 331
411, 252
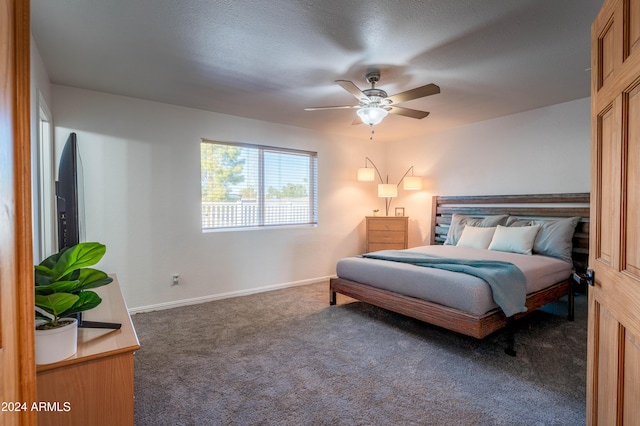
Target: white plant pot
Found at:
56, 344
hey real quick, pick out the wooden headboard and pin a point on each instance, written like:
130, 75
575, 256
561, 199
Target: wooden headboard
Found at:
537, 206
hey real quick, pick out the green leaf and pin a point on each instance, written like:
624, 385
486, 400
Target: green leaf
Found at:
60, 281
92, 278
58, 287
86, 300
72, 276
56, 303
51, 261
42, 276
78, 256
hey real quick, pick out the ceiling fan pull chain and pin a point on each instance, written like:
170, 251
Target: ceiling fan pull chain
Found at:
372, 132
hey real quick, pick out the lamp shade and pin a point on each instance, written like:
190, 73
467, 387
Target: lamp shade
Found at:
387, 190
372, 115
366, 174
412, 183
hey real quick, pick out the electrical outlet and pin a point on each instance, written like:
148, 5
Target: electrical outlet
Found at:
175, 280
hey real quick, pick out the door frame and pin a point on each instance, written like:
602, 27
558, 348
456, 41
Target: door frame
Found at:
17, 358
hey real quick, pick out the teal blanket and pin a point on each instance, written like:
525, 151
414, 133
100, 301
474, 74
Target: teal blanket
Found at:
507, 282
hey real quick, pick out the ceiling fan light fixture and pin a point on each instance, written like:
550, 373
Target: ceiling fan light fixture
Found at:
372, 115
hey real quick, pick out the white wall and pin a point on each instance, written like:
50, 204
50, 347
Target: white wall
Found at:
141, 164
142, 169
546, 150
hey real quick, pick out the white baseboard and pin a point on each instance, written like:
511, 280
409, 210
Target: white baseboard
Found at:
210, 298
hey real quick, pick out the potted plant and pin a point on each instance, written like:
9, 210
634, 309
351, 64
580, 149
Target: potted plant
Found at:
62, 289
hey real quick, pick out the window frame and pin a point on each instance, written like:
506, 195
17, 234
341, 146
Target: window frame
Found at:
262, 191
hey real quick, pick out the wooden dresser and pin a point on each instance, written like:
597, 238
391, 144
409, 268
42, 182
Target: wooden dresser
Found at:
95, 386
387, 233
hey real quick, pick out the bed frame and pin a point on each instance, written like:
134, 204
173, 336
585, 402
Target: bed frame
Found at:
539, 206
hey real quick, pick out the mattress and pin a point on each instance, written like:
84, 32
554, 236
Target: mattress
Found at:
457, 290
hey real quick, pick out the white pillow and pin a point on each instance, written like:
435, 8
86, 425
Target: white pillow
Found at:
514, 239
458, 222
476, 237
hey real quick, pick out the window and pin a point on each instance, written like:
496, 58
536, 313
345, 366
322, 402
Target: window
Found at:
251, 185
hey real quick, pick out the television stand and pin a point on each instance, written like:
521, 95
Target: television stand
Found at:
96, 382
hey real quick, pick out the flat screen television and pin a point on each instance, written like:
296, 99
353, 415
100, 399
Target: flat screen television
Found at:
70, 209
69, 195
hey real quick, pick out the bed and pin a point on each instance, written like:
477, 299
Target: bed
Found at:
464, 303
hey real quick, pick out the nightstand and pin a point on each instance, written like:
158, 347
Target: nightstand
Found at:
387, 233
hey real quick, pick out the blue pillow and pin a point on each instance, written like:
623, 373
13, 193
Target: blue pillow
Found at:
555, 237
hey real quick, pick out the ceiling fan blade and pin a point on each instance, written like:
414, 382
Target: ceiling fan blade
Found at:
357, 121
332, 107
352, 88
418, 92
408, 112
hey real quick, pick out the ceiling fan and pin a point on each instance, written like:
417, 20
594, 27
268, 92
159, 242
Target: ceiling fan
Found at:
374, 104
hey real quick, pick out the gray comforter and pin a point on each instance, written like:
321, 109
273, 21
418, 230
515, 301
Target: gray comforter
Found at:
463, 292
507, 282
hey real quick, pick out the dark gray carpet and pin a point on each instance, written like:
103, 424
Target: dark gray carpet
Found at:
286, 357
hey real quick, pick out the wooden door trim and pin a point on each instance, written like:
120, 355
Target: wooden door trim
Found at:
16, 244
24, 237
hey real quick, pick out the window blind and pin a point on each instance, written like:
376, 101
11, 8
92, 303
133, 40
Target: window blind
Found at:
247, 185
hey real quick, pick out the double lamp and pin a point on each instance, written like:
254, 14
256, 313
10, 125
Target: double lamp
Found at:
387, 190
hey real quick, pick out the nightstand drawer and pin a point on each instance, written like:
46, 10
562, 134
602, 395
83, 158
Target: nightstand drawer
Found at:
386, 233
386, 237
385, 224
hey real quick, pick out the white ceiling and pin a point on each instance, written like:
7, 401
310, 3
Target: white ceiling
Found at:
269, 60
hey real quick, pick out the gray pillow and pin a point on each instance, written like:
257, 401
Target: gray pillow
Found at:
458, 222
517, 222
555, 237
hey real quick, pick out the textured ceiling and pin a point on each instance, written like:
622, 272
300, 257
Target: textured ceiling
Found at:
269, 60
